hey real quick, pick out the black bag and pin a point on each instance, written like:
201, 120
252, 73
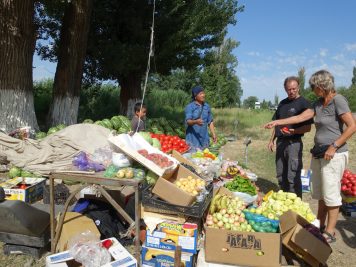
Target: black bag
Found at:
318, 152
105, 218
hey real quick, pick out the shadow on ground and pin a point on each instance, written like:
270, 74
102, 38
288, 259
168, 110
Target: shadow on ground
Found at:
266, 185
345, 227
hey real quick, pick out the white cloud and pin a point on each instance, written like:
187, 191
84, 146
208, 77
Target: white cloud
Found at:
253, 54
351, 47
323, 52
339, 57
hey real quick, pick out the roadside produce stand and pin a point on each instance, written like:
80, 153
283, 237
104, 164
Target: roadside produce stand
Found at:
100, 181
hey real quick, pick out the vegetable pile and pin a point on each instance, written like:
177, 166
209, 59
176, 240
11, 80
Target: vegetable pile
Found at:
241, 184
348, 183
170, 142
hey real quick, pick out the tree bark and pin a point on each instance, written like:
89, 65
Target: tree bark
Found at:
71, 57
17, 43
130, 92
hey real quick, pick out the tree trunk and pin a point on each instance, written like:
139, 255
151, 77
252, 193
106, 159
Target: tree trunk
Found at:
130, 93
17, 43
71, 56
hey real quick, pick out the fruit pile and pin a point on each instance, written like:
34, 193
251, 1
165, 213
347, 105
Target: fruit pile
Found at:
204, 154
215, 147
129, 173
164, 126
18, 172
225, 212
348, 183
276, 203
158, 159
190, 185
170, 142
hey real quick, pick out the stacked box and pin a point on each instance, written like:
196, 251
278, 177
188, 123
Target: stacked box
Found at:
24, 188
305, 177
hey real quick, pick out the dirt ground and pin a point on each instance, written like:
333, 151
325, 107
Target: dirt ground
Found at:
262, 163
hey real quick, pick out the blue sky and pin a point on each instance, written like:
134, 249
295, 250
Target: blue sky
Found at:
277, 37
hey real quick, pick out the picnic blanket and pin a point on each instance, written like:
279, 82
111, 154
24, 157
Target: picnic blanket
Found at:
54, 152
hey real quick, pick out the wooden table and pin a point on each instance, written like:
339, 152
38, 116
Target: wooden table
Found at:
99, 180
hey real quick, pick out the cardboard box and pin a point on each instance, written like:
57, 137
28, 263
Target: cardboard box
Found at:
242, 248
130, 144
30, 194
348, 199
74, 224
163, 258
168, 235
300, 241
120, 257
305, 177
166, 190
178, 156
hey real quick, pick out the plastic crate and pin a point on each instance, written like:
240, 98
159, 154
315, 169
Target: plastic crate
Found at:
154, 204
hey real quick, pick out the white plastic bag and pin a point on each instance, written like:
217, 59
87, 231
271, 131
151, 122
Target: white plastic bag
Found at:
120, 160
248, 199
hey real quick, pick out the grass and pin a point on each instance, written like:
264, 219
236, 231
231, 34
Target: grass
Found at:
248, 123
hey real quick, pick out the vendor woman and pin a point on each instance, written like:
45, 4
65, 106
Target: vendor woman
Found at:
198, 118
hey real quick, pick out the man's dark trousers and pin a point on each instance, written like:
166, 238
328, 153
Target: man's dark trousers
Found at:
289, 164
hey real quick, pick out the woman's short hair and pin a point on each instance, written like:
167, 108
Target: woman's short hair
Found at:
322, 79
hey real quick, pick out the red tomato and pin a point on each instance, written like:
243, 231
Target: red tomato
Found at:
23, 186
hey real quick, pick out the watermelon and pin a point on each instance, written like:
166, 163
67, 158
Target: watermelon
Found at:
14, 172
147, 137
107, 123
88, 121
156, 143
116, 122
99, 123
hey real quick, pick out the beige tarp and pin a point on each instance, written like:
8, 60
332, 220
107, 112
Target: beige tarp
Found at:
56, 151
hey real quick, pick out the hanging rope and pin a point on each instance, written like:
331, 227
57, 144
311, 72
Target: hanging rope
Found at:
149, 60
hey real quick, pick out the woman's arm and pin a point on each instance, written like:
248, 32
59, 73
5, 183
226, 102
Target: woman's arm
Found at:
350, 123
304, 116
212, 130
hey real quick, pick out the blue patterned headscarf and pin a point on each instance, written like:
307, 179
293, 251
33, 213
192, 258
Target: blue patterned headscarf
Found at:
196, 90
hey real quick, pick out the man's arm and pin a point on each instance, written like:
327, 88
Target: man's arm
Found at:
271, 141
301, 130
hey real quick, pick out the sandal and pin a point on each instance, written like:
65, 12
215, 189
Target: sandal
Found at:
330, 238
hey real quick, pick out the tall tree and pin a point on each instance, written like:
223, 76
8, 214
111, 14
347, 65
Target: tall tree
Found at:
276, 100
301, 76
17, 42
353, 77
218, 77
120, 34
71, 56
250, 102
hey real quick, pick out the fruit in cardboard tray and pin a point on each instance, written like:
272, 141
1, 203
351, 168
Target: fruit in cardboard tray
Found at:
158, 159
279, 202
225, 212
190, 185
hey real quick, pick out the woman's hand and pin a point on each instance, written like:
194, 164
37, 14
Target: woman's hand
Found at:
329, 154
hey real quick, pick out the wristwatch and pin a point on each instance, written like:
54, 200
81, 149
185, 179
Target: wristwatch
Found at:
335, 145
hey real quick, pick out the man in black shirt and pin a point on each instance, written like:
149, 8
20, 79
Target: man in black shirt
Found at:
289, 143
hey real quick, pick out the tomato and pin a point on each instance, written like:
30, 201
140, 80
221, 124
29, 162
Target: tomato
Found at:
23, 186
